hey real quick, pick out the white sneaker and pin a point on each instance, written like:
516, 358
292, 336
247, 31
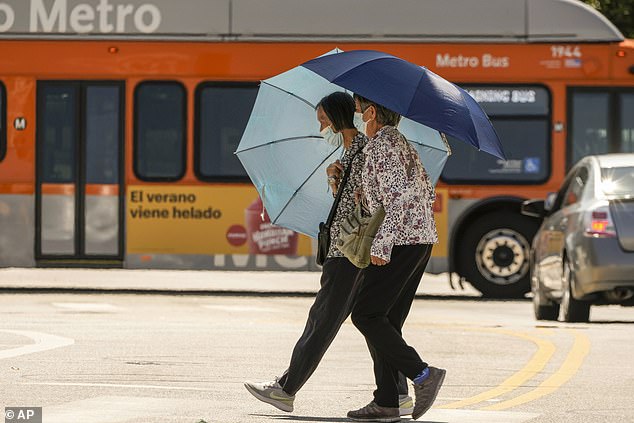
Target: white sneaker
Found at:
271, 393
405, 405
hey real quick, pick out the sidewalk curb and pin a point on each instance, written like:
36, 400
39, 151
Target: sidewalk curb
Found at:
219, 293
140, 291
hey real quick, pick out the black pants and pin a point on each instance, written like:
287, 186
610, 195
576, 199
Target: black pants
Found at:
340, 280
383, 301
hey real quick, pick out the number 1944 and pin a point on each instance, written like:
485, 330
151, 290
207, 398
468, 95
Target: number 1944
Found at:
559, 52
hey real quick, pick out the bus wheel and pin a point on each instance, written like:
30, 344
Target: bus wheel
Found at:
494, 254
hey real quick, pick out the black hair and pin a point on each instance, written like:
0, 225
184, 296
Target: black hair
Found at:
384, 116
339, 107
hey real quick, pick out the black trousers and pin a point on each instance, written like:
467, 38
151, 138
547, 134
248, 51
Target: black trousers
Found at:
340, 281
383, 301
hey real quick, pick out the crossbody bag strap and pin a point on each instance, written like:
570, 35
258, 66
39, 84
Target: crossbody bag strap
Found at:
333, 209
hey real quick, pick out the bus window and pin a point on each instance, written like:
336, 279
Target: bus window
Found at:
102, 134
627, 123
3, 122
521, 117
58, 133
589, 125
601, 121
222, 112
160, 131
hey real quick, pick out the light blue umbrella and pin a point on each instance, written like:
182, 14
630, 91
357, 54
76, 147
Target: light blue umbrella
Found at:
286, 157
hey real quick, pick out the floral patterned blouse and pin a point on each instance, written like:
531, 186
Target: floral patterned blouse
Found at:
347, 203
395, 178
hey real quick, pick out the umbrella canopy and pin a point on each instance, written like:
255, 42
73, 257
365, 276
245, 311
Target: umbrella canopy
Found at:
413, 91
286, 157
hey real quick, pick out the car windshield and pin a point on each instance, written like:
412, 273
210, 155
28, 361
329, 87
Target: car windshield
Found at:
618, 181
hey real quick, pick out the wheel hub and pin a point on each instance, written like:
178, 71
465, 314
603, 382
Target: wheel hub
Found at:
502, 256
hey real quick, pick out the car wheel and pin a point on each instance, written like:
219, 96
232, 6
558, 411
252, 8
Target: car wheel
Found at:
494, 254
572, 310
543, 308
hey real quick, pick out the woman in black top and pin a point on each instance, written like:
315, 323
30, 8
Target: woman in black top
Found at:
339, 279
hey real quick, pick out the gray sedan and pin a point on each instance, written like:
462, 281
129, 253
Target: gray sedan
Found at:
583, 253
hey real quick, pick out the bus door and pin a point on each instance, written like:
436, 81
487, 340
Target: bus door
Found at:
79, 203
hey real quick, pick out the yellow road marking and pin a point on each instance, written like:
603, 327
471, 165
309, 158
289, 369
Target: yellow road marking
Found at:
568, 369
545, 351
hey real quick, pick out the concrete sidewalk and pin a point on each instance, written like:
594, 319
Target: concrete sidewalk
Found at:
190, 281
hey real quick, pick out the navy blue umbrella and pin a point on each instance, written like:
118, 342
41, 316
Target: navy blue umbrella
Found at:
412, 91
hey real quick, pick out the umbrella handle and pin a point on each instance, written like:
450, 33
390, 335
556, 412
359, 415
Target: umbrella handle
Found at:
263, 209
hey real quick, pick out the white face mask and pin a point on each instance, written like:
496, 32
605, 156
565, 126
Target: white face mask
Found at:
359, 123
332, 137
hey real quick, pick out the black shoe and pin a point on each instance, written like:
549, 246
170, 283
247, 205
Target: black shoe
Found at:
375, 413
427, 391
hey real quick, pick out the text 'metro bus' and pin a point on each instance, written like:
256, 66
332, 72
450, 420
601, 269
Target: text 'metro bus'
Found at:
119, 119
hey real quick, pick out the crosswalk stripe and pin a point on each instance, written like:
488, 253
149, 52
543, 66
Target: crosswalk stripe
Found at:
113, 409
122, 385
476, 416
94, 307
42, 342
109, 409
233, 308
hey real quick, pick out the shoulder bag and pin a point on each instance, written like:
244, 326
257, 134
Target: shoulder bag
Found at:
357, 233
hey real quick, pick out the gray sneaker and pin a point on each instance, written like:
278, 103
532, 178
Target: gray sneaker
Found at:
271, 393
405, 405
427, 391
375, 413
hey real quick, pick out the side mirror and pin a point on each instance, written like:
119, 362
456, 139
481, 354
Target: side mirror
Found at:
550, 201
533, 208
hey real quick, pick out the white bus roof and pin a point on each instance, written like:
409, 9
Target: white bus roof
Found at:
502, 21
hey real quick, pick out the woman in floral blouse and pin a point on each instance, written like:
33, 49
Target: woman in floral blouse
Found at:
394, 178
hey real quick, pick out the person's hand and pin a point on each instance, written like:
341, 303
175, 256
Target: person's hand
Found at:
377, 261
334, 185
334, 172
335, 169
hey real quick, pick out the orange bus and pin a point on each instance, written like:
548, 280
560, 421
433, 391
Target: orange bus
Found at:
119, 119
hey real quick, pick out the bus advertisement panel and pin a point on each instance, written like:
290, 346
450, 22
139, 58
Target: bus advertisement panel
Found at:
164, 220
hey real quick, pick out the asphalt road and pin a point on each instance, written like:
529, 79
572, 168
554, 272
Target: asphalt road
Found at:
157, 358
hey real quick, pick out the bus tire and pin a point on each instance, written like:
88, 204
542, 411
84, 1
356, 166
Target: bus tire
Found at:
494, 254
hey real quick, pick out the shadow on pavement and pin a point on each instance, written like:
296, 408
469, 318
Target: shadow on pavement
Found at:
302, 418
292, 418
610, 322
583, 325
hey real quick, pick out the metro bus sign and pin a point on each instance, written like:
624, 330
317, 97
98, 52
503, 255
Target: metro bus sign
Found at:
19, 123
